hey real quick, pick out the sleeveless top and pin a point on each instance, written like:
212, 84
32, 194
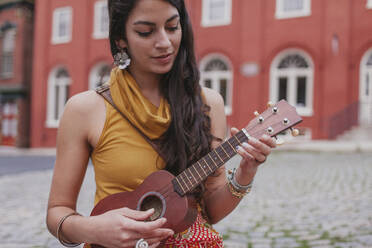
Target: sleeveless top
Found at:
122, 158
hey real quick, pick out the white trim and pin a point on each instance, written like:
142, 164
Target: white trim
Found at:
56, 37
51, 121
369, 4
283, 14
292, 74
98, 28
365, 102
225, 20
93, 75
215, 76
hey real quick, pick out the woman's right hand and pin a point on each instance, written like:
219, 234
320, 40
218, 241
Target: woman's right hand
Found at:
123, 227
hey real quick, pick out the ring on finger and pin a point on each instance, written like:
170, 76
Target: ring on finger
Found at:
141, 243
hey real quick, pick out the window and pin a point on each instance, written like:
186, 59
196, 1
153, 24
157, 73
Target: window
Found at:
365, 89
62, 25
7, 57
101, 20
291, 78
217, 74
369, 4
216, 12
99, 74
292, 8
58, 92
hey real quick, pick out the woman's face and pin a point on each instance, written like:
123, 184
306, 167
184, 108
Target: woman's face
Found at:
154, 35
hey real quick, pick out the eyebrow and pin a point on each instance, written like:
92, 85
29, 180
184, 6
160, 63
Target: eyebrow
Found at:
153, 24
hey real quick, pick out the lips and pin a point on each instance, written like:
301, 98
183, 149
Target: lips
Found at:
164, 59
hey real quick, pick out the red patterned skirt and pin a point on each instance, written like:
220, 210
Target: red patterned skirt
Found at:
199, 235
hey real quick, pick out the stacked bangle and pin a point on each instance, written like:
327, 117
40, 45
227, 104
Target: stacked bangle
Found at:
237, 189
59, 231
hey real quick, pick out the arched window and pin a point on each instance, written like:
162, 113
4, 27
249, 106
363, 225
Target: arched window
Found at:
291, 78
216, 73
365, 89
58, 93
99, 74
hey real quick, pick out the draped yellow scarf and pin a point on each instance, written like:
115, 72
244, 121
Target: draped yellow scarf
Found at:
151, 120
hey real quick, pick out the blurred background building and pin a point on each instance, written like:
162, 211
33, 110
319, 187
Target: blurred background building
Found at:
16, 44
316, 54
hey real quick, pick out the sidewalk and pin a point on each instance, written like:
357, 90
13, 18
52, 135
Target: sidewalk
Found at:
305, 146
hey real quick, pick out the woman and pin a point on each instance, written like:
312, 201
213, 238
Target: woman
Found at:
160, 93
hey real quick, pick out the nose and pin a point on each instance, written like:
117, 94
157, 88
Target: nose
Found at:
162, 41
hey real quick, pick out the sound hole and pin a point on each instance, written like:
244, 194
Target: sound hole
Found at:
152, 201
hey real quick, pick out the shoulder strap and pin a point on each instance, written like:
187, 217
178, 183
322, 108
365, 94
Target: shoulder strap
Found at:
104, 91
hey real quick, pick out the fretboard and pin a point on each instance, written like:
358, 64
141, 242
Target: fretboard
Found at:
190, 178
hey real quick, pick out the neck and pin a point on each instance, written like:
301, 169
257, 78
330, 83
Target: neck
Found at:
149, 84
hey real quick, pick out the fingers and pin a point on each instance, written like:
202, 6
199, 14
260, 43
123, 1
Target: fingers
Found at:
256, 149
136, 215
234, 130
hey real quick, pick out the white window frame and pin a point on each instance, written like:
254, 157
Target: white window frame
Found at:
93, 75
292, 74
207, 22
7, 57
369, 4
98, 25
282, 14
56, 38
51, 121
215, 76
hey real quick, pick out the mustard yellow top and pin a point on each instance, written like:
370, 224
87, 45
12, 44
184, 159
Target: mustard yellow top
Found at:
122, 158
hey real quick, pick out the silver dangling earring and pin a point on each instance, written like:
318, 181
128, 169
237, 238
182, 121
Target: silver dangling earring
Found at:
121, 59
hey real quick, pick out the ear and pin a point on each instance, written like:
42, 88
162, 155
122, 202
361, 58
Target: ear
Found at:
121, 44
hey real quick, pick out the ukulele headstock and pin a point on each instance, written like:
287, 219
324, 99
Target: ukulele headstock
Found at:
274, 120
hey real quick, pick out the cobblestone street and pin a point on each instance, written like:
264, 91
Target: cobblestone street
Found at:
299, 200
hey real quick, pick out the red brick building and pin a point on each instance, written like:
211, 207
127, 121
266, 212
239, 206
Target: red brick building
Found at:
316, 54
16, 44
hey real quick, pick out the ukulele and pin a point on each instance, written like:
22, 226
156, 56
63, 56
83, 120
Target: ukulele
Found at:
169, 194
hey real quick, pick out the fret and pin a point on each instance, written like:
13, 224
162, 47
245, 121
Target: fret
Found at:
201, 178
228, 142
191, 176
205, 161
218, 155
180, 184
201, 167
187, 177
228, 148
184, 181
209, 154
237, 139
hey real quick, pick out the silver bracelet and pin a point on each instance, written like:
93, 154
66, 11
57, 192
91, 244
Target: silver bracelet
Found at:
236, 185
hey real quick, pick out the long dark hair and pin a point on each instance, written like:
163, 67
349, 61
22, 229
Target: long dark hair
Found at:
188, 137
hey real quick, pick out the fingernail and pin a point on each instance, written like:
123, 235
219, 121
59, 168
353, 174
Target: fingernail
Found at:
245, 144
237, 147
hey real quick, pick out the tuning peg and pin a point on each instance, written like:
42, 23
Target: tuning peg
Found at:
256, 113
295, 132
270, 104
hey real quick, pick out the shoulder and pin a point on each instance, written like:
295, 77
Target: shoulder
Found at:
213, 99
81, 110
83, 102
217, 113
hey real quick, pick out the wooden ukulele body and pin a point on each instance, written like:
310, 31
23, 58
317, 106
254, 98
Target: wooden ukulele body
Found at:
156, 192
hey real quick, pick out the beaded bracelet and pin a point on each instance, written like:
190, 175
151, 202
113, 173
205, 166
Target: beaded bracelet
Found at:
236, 193
59, 231
236, 185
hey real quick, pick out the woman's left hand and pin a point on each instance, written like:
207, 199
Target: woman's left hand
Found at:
254, 152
